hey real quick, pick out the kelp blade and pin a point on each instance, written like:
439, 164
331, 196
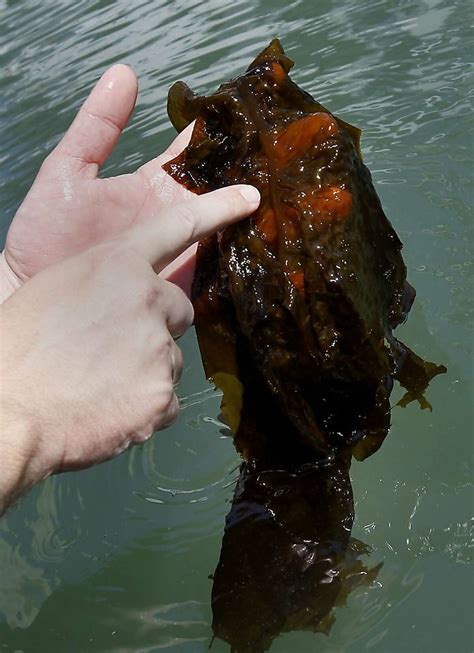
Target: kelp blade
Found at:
299, 302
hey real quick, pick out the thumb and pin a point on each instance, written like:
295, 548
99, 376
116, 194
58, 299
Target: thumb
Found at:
160, 240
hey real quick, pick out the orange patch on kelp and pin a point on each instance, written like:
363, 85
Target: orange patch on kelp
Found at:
266, 224
328, 205
302, 134
297, 279
277, 71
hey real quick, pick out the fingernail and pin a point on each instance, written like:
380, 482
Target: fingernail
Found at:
250, 193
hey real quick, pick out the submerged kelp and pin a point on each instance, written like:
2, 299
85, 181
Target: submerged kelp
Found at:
287, 557
299, 302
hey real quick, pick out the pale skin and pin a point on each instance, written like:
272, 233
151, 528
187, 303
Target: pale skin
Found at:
96, 294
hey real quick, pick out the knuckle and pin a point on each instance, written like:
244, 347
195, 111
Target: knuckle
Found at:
185, 306
166, 406
152, 294
165, 397
172, 413
142, 436
188, 308
181, 311
177, 363
163, 344
186, 321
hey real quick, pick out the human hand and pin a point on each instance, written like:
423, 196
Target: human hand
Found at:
89, 360
69, 208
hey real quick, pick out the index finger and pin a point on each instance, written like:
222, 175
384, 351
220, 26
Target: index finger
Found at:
162, 239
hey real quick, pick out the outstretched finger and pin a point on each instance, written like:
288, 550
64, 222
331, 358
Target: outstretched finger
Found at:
100, 121
162, 239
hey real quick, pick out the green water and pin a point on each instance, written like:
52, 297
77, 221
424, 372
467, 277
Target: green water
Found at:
117, 558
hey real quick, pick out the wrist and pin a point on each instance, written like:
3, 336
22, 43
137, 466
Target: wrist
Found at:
20, 468
21, 462
9, 282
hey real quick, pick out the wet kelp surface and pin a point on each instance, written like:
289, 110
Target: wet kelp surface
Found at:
305, 295
294, 310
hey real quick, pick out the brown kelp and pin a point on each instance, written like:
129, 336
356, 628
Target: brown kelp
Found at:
306, 293
294, 310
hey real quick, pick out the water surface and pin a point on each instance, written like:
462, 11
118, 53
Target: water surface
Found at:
117, 558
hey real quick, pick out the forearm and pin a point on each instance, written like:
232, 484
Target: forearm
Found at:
8, 280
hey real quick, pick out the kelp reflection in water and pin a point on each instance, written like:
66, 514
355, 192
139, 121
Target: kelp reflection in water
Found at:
295, 310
